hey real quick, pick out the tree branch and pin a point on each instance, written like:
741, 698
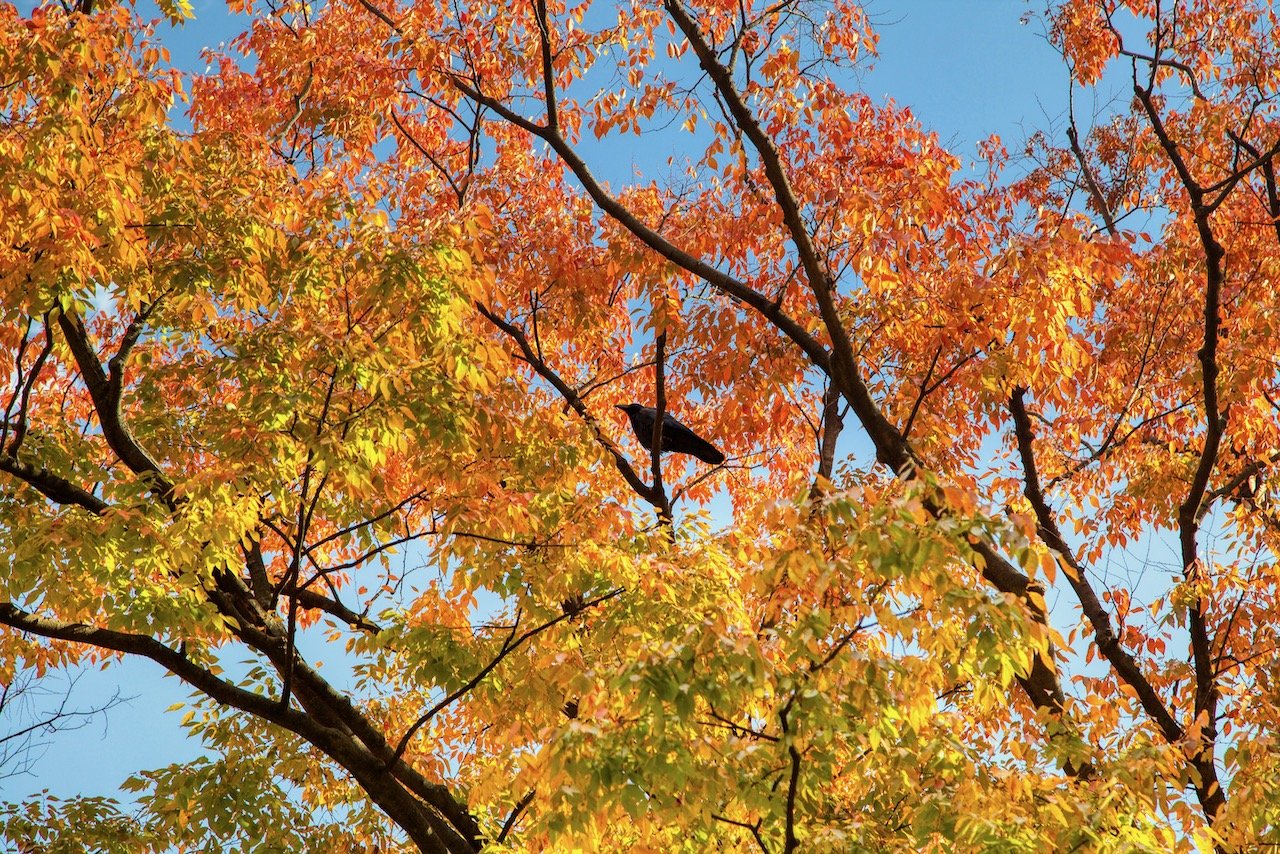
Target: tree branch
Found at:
105, 392
1208, 790
1106, 640
545, 371
52, 486
510, 645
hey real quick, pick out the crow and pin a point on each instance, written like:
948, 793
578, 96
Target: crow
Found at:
676, 437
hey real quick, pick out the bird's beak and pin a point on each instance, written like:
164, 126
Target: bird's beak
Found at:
619, 406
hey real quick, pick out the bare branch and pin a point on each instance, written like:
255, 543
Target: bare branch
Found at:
575, 403
1105, 638
1091, 182
509, 645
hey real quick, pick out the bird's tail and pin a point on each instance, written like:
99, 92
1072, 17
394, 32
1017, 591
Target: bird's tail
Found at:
705, 451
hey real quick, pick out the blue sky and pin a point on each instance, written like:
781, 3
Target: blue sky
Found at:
967, 68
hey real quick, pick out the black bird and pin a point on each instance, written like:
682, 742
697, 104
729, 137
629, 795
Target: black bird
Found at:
676, 437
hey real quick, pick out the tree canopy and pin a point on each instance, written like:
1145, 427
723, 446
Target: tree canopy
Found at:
321, 349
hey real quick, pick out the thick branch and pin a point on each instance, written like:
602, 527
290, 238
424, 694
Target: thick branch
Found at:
424, 829
106, 392
1125, 666
1208, 789
832, 424
791, 842
548, 67
54, 487
1269, 177
148, 647
360, 747
308, 598
890, 448
722, 281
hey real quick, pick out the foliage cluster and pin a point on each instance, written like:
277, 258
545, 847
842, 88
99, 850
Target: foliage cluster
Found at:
333, 359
